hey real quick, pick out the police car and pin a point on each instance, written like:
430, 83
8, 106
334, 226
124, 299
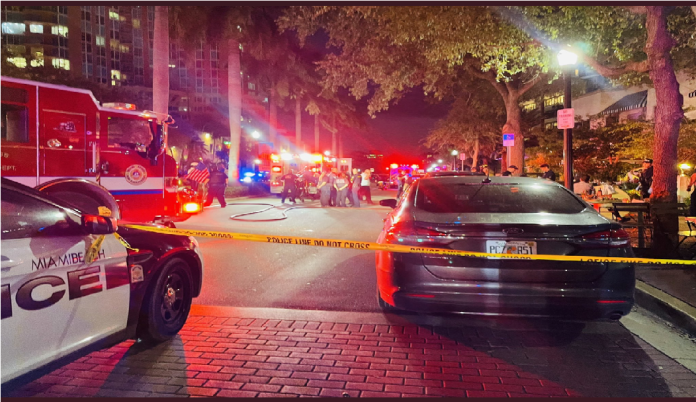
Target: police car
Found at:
54, 302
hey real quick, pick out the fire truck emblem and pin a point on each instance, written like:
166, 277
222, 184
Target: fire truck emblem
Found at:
136, 174
68, 126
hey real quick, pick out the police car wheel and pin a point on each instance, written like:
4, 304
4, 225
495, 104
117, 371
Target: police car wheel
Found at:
169, 302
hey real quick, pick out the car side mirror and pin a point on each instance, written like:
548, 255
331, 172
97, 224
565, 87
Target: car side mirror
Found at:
391, 203
95, 224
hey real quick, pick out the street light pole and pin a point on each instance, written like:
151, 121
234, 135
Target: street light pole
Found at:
567, 134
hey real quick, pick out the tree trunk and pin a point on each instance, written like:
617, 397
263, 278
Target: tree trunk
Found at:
234, 100
316, 134
513, 125
298, 123
340, 145
668, 115
333, 136
160, 61
273, 117
474, 161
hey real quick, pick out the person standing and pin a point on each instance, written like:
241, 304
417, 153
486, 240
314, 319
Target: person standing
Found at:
357, 179
401, 183
289, 186
548, 173
646, 179
324, 189
216, 186
510, 171
692, 184
365, 186
341, 184
332, 177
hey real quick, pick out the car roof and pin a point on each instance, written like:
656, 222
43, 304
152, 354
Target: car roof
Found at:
450, 173
493, 180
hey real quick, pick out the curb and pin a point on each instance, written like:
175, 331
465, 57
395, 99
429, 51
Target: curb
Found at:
666, 306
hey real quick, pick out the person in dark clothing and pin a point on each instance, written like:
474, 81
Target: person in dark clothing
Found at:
332, 180
692, 184
289, 187
324, 189
355, 188
511, 169
646, 178
548, 173
216, 186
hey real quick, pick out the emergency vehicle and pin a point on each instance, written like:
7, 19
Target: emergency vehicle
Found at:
56, 301
53, 133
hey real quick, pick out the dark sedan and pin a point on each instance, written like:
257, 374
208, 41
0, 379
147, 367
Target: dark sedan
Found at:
503, 215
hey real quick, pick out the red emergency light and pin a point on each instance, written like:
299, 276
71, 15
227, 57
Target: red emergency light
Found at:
119, 105
276, 168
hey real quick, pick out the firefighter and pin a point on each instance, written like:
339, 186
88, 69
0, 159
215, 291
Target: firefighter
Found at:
216, 186
324, 187
289, 186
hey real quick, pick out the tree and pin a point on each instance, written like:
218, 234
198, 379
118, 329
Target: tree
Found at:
228, 26
160, 61
633, 43
472, 125
382, 52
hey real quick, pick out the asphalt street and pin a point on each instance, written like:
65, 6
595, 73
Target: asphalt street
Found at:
247, 274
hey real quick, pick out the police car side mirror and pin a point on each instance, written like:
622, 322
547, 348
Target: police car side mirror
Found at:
95, 224
391, 203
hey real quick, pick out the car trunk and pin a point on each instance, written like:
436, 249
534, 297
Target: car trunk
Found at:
553, 234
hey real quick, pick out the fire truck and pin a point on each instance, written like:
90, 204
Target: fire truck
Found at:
62, 141
281, 165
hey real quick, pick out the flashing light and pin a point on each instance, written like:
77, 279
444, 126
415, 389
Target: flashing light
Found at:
439, 161
327, 153
316, 158
249, 174
247, 179
567, 58
333, 159
256, 135
119, 105
455, 152
257, 161
207, 135
285, 156
275, 157
306, 157
192, 207
414, 166
394, 166
429, 170
173, 147
276, 169
684, 166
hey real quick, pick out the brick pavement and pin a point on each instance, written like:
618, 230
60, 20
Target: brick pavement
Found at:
257, 357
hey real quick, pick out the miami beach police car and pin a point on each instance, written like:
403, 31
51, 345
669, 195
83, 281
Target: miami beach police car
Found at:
54, 301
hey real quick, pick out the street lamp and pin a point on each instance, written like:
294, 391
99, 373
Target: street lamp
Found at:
454, 159
256, 135
567, 59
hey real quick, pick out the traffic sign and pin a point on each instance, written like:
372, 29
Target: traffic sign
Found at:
508, 140
462, 156
565, 118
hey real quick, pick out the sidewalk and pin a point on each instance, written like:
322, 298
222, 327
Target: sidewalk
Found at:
669, 293
234, 352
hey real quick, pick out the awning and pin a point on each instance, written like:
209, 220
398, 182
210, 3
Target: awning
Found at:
633, 101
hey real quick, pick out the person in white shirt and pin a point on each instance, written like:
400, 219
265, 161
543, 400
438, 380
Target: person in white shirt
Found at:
583, 187
365, 186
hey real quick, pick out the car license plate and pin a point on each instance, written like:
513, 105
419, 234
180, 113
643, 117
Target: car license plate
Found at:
511, 247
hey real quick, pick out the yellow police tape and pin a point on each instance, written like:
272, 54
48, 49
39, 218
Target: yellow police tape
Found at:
397, 248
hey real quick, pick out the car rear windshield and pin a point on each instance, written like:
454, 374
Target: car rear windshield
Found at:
439, 197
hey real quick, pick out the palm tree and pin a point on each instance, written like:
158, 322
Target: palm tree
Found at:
160, 61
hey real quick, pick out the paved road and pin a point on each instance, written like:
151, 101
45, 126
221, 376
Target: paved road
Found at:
247, 274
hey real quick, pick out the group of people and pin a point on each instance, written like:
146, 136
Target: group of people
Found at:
336, 189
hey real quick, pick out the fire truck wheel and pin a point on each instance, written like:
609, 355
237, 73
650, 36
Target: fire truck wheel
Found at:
168, 302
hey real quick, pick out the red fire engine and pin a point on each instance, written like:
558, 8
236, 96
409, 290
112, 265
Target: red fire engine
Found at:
60, 139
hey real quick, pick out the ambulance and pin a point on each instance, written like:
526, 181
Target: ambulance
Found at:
54, 137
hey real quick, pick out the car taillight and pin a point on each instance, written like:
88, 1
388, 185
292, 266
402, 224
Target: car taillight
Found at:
607, 238
405, 232
192, 207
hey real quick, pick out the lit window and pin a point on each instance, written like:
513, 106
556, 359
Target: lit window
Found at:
20, 62
100, 41
61, 63
113, 15
60, 30
115, 75
35, 28
136, 23
252, 86
125, 48
14, 28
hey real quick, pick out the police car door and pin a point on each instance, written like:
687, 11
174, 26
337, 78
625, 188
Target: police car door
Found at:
52, 302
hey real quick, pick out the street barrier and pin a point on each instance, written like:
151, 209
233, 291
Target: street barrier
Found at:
397, 248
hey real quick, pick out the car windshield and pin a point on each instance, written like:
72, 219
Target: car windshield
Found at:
438, 197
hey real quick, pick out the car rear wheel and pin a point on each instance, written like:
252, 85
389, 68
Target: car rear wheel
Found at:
168, 303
